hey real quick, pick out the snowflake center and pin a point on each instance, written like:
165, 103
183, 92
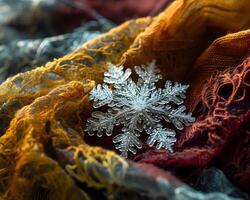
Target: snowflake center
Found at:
139, 104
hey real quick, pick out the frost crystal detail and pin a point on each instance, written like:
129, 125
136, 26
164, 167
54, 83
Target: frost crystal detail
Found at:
138, 107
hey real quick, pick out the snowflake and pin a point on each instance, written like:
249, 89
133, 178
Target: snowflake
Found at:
138, 106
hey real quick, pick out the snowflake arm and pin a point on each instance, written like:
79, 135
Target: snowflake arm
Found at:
99, 122
178, 117
101, 95
127, 142
165, 138
116, 75
173, 93
148, 73
122, 97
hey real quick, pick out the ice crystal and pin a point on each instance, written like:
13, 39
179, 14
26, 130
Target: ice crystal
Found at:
137, 107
